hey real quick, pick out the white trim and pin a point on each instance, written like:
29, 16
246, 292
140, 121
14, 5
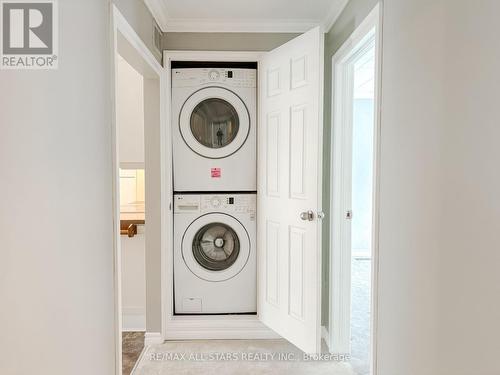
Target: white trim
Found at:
341, 58
197, 327
153, 338
378, 14
118, 24
334, 13
115, 197
158, 9
121, 25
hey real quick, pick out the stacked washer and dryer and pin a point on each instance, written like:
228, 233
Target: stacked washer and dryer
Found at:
214, 156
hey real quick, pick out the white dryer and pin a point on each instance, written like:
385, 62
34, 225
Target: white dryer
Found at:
214, 254
214, 128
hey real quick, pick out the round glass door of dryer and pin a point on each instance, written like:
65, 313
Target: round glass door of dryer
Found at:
215, 247
214, 122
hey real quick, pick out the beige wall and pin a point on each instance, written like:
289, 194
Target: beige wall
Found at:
224, 41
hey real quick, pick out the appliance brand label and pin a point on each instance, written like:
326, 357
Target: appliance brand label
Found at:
215, 172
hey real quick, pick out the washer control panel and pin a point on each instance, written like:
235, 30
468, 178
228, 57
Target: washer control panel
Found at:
230, 203
192, 77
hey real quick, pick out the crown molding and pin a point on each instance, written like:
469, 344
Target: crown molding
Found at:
334, 13
159, 10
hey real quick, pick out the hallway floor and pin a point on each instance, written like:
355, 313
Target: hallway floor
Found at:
233, 357
132, 345
193, 357
360, 315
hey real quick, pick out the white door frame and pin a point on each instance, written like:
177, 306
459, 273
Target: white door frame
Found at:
120, 27
187, 327
340, 256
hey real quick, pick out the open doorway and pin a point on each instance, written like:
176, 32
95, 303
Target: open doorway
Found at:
130, 124
354, 199
137, 199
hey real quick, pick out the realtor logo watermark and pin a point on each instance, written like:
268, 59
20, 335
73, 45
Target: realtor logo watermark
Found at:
29, 34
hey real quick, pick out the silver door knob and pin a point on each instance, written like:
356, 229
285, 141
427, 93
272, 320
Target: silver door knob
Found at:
307, 215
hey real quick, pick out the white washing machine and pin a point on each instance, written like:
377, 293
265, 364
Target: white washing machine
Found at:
214, 128
214, 254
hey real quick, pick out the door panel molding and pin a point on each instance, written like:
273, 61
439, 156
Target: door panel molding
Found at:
291, 87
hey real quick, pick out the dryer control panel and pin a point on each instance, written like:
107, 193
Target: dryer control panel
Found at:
192, 77
225, 203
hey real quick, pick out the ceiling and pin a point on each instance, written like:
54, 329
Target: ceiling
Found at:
244, 15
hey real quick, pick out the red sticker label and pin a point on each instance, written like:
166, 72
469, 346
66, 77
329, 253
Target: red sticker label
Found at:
215, 172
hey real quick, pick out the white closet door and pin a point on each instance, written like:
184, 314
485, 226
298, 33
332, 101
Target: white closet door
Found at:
289, 187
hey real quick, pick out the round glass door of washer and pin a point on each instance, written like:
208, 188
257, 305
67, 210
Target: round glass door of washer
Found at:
215, 247
214, 122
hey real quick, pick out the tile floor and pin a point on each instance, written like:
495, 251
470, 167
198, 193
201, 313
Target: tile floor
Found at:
132, 345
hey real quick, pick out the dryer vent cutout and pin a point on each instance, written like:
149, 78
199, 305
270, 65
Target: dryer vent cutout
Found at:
215, 173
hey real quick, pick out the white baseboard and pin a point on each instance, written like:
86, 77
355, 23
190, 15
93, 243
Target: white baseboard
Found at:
153, 338
133, 319
217, 328
325, 335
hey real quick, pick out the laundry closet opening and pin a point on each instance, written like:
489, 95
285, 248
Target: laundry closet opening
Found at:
214, 122
245, 184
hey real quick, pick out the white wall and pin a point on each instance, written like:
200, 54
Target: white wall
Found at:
439, 285
56, 254
134, 281
413, 115
440, 212
130, 115
469, 300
